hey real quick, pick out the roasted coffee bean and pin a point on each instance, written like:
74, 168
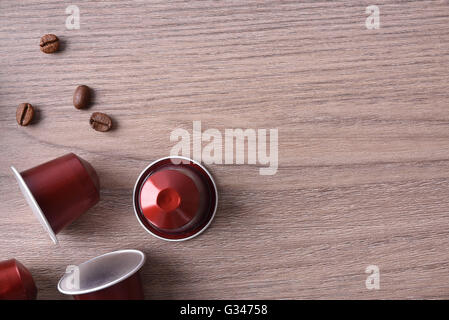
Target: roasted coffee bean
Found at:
81, 97
100, 121
49, 43
24, 114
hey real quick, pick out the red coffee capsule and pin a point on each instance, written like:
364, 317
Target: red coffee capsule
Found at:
16, 282
175, 198
59, 191
111, 276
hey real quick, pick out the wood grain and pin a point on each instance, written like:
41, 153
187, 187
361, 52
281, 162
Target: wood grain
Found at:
363, 126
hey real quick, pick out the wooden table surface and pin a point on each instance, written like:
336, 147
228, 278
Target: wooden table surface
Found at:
363, 122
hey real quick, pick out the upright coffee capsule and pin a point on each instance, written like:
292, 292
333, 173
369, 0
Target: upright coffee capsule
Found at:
16, 282
111, 276
59, 191
175, 198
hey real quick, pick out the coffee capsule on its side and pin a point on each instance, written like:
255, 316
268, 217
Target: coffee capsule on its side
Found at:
59, 191
16, 282
111, 276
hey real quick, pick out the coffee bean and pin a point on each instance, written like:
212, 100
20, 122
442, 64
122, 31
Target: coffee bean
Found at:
49, 43
24, 114
100, 121
81, 97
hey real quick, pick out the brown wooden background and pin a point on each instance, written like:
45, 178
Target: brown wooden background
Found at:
363, 119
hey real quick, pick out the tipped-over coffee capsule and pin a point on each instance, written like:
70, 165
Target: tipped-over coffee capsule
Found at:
175, 198
111, 276
16, 282
59, 191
